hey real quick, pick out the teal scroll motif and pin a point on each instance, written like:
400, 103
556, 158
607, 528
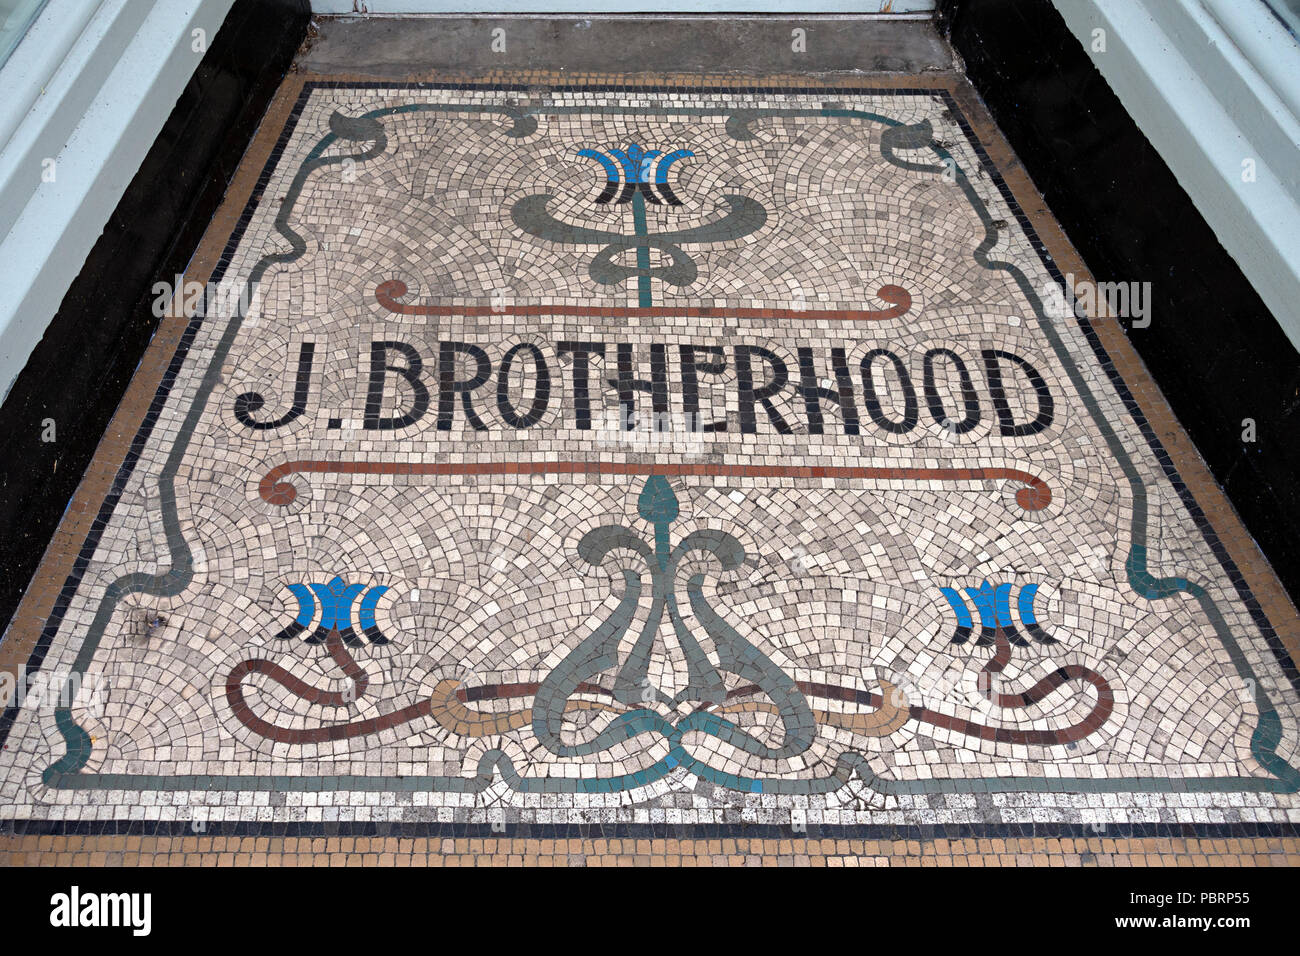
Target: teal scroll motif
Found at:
598, 653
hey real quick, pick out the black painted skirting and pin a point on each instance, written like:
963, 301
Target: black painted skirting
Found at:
79, 371
1212, 346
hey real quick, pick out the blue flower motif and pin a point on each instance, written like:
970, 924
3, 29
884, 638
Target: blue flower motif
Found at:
335, 600
643, 171
993, 604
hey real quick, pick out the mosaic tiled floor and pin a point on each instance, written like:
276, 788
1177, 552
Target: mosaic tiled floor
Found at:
679, 462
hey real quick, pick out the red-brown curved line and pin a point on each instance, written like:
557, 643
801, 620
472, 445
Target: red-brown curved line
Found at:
1047, 738
315, 695
1034, 496
357, 728
1098, 716
387, 294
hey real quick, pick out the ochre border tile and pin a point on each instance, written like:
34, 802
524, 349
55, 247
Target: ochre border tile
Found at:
392, 851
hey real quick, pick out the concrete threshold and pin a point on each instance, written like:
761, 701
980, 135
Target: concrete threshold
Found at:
399, 47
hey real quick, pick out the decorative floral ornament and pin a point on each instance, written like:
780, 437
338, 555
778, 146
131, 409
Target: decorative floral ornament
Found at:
639, 165
335, 600
605, 650
993, 603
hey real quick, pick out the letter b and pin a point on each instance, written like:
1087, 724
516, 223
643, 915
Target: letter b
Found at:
379, 369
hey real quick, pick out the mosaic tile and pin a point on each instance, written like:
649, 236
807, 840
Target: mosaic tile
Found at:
634, 458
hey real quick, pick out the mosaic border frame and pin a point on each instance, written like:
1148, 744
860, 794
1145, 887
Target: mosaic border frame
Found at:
700, 830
